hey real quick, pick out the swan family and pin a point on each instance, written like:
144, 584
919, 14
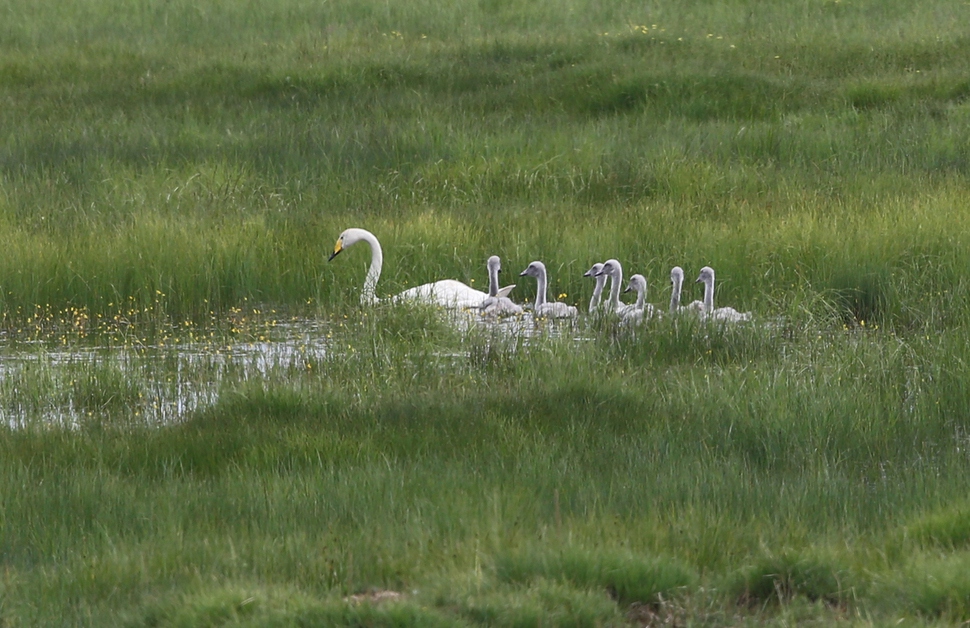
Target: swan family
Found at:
449, 293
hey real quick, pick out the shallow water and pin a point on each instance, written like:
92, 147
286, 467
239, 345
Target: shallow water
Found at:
73, 380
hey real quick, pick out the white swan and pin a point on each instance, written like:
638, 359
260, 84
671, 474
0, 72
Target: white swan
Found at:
613, 270
498, 303
677, 282
722, 313
445, 293
641, 310
595, 272
544, 308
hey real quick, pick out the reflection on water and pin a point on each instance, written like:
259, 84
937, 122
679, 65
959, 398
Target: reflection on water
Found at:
151, 381
76, 378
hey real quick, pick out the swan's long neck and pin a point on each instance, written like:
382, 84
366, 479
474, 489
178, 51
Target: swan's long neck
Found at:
675, 294
709, 295
368, 295
641, 297
493, 281
615, 279
541, 289
597, 293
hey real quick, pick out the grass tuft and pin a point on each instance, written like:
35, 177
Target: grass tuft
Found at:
788, 575
935, 587
947, 528
237, 607
626, 578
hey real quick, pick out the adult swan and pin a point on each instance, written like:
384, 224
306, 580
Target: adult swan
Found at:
445, 293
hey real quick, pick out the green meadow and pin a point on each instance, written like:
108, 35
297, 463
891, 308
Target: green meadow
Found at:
173, 177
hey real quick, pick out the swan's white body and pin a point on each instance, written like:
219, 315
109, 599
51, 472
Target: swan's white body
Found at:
641, 310
497, 303
728, 314
543, 308
596, 273
613, 270
677, 283
445, 293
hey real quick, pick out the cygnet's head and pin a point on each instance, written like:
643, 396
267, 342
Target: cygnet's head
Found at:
677, 275
611, 267
494, 263
706, 276
535, 269
595, 271
637, 283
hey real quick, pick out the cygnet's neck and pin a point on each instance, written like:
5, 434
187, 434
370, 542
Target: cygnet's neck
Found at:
540, 288
594, 302
492, 280
616, 277
675, 293
709, 295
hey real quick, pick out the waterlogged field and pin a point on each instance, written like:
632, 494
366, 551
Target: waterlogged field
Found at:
201, 425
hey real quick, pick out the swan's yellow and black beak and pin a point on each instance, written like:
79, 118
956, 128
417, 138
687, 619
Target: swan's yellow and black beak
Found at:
337, 248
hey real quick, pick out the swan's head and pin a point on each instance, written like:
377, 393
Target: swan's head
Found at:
611, 267
706, 276
677, 275
535, 269
348, 238
494, 264
595, 271
637, 283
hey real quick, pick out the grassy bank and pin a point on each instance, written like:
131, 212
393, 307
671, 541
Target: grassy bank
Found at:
172, 169
725, 475
200, 152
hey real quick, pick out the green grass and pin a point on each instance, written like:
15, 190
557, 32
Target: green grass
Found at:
578, 484
172, 179
162, 157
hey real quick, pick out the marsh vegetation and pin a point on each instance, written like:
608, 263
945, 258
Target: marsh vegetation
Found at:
203, 426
